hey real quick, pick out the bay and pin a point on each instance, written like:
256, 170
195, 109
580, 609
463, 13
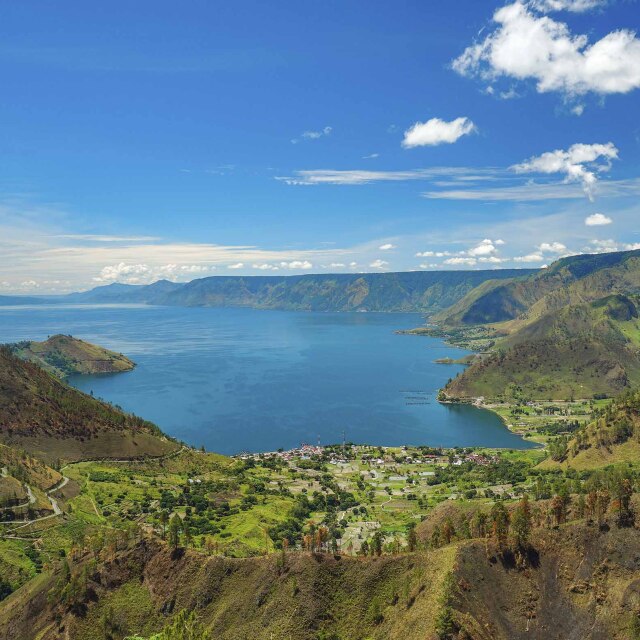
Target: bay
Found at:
236, 379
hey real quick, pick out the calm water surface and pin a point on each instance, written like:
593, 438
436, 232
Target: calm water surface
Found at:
247, 380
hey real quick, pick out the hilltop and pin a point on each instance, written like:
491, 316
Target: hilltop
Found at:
65, 355
45, 416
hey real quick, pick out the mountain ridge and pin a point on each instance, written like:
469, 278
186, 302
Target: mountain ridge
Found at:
404, 291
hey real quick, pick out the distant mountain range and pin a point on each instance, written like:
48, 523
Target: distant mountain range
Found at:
421, 291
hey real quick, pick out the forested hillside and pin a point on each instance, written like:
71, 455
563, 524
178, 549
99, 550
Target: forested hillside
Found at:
45, 416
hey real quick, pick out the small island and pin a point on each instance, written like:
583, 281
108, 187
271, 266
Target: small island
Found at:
65, 356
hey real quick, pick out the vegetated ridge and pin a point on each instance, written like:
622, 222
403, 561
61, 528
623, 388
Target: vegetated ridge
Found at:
572, 331
45, 416
66, 355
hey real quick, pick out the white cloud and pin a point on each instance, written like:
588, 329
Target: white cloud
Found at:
387, 246
432, 254
493, 259
337, 265
552, 247
538, 192
312, 135
371, 156
431, 265
597, 220
297, 264
437, 131
575, 6
378, 264
532, 257
265, 266
465, 261
125, 273
578, 163
366, 176
484, 248
526, 45
237, 265
607, 246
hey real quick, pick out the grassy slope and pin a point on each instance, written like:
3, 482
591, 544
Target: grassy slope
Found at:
579, 583
65, 355
252, 598
613, 438
47, 417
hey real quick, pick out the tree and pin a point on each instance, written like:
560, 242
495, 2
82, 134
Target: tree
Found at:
557, 508
412, 538
175, 527
376, 543
521, 523
479, 524
500, 523
164, 519
624, 492
448, 530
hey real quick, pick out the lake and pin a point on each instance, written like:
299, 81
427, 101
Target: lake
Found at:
247, 380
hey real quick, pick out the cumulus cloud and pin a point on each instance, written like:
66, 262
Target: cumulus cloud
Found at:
460, 260
143, 273
552, 247
437, 131
579, 163
484, 248
378, 264
124, 273
265, 266
297, 264
237, 265
527, 45
531, 257
597, 220
432, 254
387, 246
607, 246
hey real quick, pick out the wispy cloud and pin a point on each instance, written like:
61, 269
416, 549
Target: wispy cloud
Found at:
365, 176
312, 135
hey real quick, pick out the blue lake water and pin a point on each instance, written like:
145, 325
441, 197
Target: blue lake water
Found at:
247, 380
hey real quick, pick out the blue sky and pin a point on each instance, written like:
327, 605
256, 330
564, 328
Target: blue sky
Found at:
158, 139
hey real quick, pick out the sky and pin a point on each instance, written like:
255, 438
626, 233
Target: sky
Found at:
155, 139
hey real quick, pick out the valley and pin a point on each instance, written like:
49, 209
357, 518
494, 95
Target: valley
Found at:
110, 529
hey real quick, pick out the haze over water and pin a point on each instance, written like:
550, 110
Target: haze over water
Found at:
247, 380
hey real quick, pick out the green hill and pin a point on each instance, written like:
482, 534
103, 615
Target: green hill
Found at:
580, 351
65, 355
45, 416
567, 281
